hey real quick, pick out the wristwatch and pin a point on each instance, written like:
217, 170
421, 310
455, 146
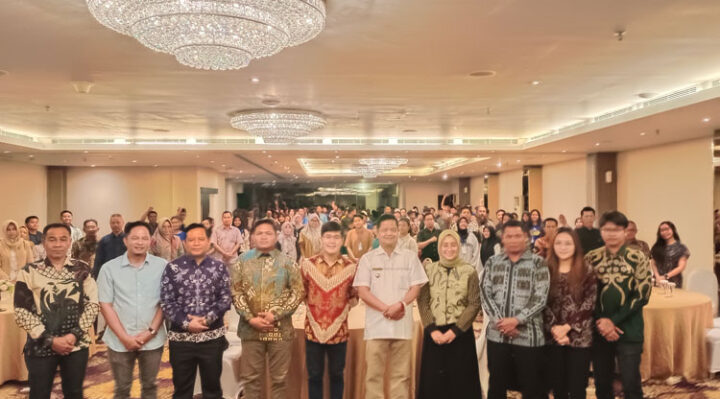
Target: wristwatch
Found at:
152, 331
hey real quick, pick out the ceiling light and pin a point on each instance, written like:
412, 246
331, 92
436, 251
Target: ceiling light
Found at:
535, 82
270, 102
706, 120
597, 144
499, 164
483, 74
563, 151
82, 86
255, 79
445, 176
92, 166
134, 161
214, 34
279, 126
155, 166
642, 133
6, 152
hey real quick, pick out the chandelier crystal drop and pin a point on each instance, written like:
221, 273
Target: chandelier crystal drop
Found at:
278, 126
214, 34
366, 172
383, 163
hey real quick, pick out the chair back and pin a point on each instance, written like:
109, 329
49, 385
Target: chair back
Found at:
704, 282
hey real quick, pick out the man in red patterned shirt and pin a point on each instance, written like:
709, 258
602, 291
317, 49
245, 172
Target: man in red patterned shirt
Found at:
328, 278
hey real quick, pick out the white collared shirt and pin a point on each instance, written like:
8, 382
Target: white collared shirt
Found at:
389, 278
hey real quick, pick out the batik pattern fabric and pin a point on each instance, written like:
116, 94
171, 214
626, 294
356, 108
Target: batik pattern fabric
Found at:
199, 290
564, 307
624, 287
516, 289
329, 297
84, 250
266, 282
451, 296
52, 303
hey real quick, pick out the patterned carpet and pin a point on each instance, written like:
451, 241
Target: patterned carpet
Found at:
99, 384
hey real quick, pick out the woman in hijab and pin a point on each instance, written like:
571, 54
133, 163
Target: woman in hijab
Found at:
164, 243
287, 241
469, 245
38, 250
490, 246
15, 252
448, 304
310, 243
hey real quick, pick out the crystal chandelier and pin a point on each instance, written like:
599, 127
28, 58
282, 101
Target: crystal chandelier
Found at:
383, 164
214, 34
278, 126
366, 172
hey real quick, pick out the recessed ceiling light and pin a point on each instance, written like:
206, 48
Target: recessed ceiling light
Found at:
212, 161
337, 156
518, 161
563, 151
499, 164
85, 152
269, 156
445, 176
270, 102
134, 161
255, 79
642, 133
597, 144
197, 156
31, 156
6, 152
92, 166
535, 82
483, 74
264, 151
155, 166
706, 120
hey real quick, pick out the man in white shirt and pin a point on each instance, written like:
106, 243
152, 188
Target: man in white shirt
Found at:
388, 280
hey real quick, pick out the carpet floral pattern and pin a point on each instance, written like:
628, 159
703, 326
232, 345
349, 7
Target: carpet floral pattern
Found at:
99, 384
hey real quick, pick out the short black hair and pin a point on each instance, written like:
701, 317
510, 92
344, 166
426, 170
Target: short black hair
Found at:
88, 221
466, 207
152, 213
56, 226
194, 226
550, 220
137, 223
357, 215
587, 209
262, 222
386, 217
210, 219
615, 217
405, 220
513, 223
64, 212
330, 227
428, 213
227, 212
29, 218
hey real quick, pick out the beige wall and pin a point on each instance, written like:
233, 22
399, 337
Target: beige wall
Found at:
672, 182
564, 189
24, 192
477, 190
99, 192
425, 194
511, 191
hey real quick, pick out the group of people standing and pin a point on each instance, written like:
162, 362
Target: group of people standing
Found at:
546, 292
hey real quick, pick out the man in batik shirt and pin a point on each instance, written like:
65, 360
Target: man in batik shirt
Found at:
194, 297
266, 288
328, 279
56, 302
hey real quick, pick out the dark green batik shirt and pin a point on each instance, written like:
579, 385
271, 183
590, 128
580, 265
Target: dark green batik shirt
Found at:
624, 286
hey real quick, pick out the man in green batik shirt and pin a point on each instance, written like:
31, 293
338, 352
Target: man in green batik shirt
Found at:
624, 285
427, 239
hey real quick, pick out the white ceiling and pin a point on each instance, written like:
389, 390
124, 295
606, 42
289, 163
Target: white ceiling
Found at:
379, 69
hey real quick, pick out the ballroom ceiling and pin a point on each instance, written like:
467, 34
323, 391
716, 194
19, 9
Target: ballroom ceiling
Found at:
381, 69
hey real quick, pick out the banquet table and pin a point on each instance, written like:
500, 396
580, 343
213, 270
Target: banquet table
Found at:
297, 387
12, 341
675, 335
